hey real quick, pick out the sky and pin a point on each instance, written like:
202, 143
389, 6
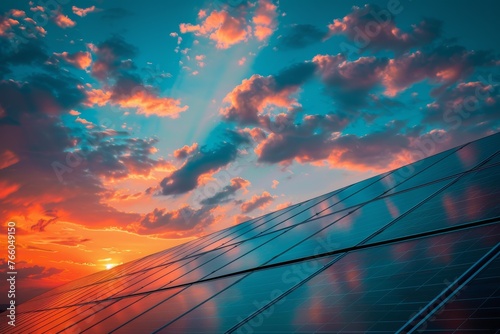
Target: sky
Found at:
128, 127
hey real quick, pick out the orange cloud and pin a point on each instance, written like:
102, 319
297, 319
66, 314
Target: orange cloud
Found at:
144, 101
185, 151
17, 13
63, 21
256, 202
249, 100
265, 19
221, 27
83, 11
6, 24
81, 60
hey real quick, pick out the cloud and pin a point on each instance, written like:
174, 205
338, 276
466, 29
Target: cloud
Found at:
32, 272
185, 151
180, 223
225, 194
309, 143
265, 19
257, 202
373, 28
467, 111
66, 241
206, 161
443, 65
31, 52
349, 82
42, 224
248, 101
112, 57
130, 92
275, 184
84, 11
17, 13
63, 21
80, 59
6, 25
301, 35
230, 26
238, 219
226, 30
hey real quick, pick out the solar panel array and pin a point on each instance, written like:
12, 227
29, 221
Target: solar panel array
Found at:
411, 250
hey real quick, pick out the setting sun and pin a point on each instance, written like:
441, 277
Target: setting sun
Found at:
109, 266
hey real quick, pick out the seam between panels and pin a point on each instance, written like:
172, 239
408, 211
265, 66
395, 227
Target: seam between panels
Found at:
352, 206
458, 178
373, 234
446, 294
284, 294
453, 151
191, 283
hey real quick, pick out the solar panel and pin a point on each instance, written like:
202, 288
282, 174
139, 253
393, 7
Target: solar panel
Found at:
411, 250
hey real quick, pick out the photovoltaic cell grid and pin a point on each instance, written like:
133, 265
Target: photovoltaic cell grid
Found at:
411, 250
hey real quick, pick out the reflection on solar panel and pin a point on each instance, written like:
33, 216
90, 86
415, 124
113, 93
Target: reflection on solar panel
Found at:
412, 250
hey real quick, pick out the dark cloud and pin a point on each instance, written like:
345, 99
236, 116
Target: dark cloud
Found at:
349, 82
30, 52
203, 162
42, 224
32, 272
467, 112
370, 27
443, 65
295, 75
301, 35
183, 222
376, 150
67, 241
256, 202
112, 58
226, 193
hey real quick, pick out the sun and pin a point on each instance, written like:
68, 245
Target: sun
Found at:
109, 266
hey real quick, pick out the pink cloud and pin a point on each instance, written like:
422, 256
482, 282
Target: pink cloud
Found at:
257, 202
83, 11
366, 28
221, 27
265, 19
6, 25
63, 21
185, 151
17, 13
80, 59
249, 100
144, 101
